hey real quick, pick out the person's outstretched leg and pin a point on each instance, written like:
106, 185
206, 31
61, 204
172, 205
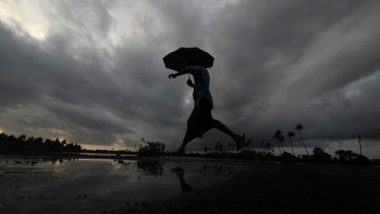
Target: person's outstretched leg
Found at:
239, 139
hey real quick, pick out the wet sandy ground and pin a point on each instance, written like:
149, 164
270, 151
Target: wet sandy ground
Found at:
93, 186
273, 188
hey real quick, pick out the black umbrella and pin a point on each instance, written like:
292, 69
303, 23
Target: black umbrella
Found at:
183, 57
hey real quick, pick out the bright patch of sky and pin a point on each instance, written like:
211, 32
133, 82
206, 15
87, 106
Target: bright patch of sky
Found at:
29, 15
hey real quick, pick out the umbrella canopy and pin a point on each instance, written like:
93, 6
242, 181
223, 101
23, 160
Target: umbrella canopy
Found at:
179, 59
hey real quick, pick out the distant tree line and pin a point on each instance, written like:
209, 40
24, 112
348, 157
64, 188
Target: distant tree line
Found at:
318, 156
9, 144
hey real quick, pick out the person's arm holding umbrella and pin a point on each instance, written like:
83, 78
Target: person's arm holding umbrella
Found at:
187, 70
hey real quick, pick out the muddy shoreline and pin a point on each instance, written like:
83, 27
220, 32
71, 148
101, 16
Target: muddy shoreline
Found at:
282, 188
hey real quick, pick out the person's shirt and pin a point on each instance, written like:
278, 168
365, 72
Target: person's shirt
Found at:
202, 83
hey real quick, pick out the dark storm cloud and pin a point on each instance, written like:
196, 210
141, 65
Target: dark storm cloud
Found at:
267, 43
52, 80
11, 91
80, 92
276, 64
260, 41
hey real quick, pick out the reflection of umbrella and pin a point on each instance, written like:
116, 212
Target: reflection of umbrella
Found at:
182, 57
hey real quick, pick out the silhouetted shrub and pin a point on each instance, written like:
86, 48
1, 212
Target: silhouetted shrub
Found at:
361, 159
350, 157
320, 156
376, 162
287, 157
151, 149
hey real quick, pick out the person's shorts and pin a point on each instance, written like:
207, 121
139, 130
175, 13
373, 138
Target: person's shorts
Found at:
200, 120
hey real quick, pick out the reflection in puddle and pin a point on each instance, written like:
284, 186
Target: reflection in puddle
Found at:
180, 174
98, 184
149, 167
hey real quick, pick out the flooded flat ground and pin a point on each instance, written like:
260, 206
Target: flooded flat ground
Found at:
281, 188
184, 185
36, 185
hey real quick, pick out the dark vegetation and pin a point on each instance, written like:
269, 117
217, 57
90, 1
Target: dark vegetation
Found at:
318, 156
150, 149
264, 152
22, 145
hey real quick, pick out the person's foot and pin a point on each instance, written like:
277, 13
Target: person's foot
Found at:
239, 140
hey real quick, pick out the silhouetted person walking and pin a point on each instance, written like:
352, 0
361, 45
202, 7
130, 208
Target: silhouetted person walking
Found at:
201, 120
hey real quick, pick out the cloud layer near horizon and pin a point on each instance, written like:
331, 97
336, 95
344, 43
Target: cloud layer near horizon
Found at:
92, 71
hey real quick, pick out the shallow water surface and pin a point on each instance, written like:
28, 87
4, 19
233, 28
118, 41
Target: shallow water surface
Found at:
92, 185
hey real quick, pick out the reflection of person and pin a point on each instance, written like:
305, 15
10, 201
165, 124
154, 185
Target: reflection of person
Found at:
180, 172
201, 120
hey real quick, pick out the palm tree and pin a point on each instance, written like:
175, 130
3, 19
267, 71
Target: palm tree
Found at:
268, 147
249, 142
280, 137
299, 127
205, 149
290, 135
360, 144
218, 147
230, 146
263, 144
350, 155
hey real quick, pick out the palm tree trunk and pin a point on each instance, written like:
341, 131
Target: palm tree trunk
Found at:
291, 144
303, 144
282, 146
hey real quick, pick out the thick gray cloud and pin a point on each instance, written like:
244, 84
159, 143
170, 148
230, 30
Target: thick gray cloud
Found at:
92, 71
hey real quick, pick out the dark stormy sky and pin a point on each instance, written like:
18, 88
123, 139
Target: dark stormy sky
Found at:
92, 71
